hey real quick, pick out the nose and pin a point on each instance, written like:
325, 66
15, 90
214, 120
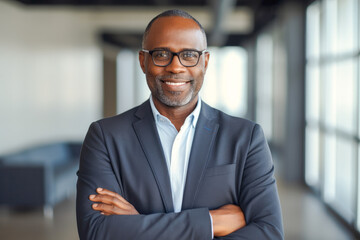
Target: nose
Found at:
175, 66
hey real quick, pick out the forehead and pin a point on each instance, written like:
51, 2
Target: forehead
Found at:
175, 33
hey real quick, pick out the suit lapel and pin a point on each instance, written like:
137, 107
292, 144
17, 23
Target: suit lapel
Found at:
146, 132
206, 130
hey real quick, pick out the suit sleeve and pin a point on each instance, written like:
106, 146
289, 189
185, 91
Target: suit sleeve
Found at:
258, 193
96, 171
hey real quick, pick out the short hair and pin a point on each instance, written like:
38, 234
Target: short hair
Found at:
172, 13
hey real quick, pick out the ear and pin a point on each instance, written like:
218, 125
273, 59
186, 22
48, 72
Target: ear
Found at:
206, 59
142, 60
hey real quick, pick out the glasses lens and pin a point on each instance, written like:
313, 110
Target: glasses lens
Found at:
189, 58
161, 57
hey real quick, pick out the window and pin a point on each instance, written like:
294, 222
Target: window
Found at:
333, 105
264, 83
225, 84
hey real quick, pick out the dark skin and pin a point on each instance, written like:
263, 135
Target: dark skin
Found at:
175, 34
180, 86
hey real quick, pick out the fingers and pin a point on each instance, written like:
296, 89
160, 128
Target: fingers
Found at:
111, 203
110, 200
110, 209
107, 196
103, 191
107, 209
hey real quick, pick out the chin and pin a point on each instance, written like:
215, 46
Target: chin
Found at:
176, 102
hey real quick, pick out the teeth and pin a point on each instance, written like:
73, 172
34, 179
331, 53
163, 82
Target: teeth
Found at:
175, 83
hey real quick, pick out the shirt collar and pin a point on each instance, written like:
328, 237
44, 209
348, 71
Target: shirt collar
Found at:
194, 115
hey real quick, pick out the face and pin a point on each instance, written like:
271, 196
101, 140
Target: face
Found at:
174, 85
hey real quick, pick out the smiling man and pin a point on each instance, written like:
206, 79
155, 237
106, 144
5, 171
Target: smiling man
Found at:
173, 167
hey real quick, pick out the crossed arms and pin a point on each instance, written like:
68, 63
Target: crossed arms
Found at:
226, 219
116, 218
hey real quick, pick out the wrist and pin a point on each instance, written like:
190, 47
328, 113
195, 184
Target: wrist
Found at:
216, 223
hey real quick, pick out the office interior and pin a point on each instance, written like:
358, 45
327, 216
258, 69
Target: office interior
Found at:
293, 66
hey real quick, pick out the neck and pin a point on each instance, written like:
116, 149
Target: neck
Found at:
176, 115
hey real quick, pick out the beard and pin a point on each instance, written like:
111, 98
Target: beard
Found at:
174, 98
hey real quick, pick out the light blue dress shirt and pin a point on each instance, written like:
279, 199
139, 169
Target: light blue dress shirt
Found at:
176, 146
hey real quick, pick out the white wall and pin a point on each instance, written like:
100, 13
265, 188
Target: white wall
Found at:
50, 75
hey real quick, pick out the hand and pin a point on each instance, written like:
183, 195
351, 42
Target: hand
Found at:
111, 203
227, 219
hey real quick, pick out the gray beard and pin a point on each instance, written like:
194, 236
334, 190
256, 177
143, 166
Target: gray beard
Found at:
173, 101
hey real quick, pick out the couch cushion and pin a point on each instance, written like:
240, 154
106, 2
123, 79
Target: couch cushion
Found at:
52, 154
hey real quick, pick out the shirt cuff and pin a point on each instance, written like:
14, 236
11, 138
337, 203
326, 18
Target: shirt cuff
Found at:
212, 230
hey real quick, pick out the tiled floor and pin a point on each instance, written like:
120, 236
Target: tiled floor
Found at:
305, 218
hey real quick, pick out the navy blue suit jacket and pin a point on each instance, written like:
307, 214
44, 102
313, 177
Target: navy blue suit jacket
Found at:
230, 163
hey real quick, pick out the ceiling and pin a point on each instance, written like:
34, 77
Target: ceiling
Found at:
253, 3
229, 21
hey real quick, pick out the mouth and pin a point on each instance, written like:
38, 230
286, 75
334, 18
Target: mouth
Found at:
175, 83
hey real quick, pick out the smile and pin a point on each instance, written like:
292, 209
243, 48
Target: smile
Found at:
175, 83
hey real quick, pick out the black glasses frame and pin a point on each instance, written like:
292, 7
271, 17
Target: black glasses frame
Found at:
172, 56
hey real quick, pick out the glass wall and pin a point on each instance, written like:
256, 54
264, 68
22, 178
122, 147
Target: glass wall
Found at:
332, 105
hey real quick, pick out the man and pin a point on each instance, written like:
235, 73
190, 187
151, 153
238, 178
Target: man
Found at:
173, 167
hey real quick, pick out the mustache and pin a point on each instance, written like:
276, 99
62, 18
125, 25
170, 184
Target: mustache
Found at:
173, 76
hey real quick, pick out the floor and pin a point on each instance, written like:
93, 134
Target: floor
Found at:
305, 218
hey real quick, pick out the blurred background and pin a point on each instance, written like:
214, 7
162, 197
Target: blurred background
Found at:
291, 65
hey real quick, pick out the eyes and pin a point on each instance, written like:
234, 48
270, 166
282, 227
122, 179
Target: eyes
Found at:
163, 57
187, 55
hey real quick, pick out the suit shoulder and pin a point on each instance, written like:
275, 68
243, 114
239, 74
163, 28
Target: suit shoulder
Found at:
123, 120
239, 128
127, 115
233, 126
229, 120
236, 120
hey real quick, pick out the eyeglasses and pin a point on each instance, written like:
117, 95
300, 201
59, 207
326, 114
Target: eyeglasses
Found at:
163, 57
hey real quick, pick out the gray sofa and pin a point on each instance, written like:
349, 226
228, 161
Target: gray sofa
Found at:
39, 176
